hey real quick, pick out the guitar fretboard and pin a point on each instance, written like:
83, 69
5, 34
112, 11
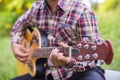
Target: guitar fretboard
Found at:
46, 51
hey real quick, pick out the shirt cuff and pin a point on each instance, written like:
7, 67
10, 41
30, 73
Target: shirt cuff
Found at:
15, 42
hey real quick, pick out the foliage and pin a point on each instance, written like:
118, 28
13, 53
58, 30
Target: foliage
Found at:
109, 5
14, 8
109, 29
7, 60
10, 12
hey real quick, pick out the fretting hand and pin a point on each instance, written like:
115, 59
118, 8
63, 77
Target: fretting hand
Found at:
57, 57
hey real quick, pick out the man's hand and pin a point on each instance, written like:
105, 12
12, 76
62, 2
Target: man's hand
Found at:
57, 57
21, 53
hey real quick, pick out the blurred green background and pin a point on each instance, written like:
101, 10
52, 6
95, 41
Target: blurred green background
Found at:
109, 28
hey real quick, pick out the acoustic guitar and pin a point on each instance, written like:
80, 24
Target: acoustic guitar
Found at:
36, 41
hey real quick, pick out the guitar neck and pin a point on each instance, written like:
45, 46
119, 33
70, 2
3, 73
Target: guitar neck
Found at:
45, 52
80, 52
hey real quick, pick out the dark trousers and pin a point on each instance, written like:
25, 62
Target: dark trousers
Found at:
92, 74
28, 77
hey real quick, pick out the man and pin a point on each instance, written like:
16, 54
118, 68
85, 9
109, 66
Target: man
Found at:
65, 22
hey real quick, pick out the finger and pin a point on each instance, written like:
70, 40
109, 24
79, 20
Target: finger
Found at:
54, 52
24, 60
23, 49
60, 54
20, 51
28, 61
64, 59
54, 56
68, 59
54, 61
62, 44
61, 57
21, 59
21, 54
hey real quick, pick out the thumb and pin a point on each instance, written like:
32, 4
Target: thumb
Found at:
62, 58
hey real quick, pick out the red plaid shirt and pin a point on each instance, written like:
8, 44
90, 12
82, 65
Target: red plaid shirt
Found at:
71, 22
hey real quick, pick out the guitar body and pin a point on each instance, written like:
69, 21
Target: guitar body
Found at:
21, 68
33, 39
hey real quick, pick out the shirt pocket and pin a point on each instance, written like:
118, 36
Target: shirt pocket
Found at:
65, 33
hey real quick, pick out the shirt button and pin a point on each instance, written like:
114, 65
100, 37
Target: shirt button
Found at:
50, 37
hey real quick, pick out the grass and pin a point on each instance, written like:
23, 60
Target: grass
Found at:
7, 60
109, 28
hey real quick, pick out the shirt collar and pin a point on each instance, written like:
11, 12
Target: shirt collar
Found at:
63, 4
43, 5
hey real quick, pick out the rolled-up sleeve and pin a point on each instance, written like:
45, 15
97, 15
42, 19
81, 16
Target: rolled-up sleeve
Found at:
88, 25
